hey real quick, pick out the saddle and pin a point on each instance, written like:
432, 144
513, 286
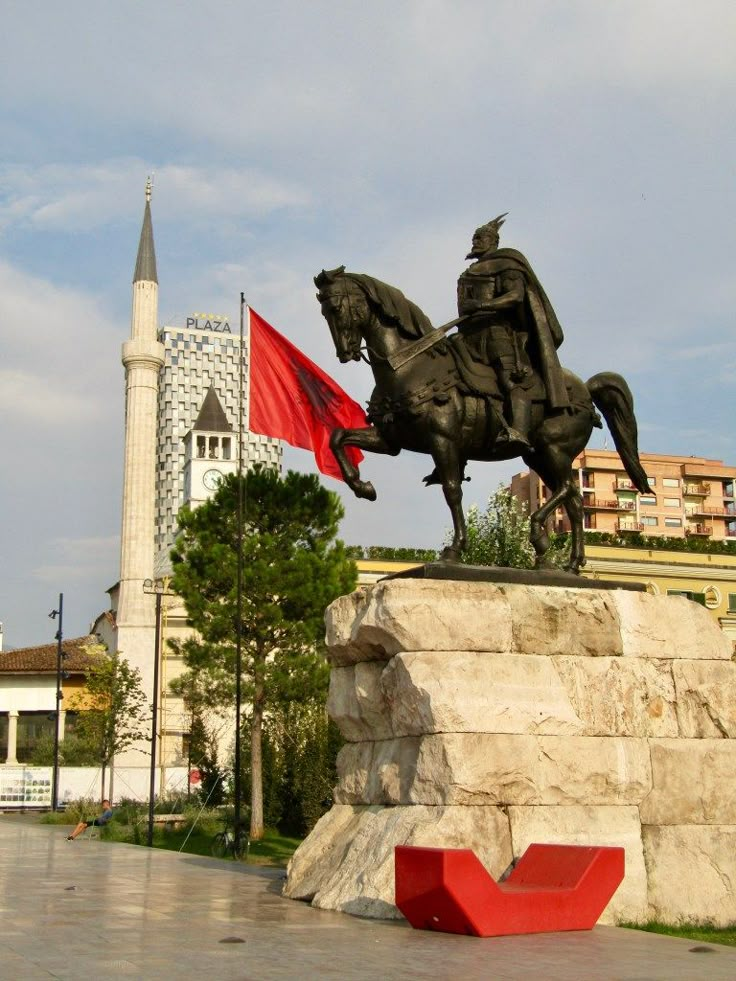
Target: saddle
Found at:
481, 379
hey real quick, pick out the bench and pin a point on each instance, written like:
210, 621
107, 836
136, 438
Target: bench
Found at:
552, 887
172, 821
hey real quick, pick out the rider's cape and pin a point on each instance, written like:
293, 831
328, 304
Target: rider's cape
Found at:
546, 331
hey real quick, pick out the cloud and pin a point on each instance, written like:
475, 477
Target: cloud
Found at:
71, 198
55, 353
75, 559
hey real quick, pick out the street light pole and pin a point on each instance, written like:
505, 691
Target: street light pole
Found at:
158, 590
59, 696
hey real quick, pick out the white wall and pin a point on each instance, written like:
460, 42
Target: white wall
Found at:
28, 694
30, 786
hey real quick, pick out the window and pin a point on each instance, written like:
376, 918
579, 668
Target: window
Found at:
31, 727
652, 481
688, 594
672, 502
673, 522
648, 501
732, 602
670, 482
648, 520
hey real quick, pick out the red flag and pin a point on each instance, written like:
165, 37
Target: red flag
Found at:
294, 400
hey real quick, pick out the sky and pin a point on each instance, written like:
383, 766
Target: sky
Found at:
288, 137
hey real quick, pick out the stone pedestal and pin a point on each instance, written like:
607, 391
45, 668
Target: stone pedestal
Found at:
490, 716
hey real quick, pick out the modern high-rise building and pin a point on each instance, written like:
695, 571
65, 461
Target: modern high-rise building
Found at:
201, 361
690, 496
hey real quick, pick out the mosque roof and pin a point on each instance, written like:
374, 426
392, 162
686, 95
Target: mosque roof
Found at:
145, 264
42, 660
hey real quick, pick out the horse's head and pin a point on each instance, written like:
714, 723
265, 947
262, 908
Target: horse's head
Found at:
345, 308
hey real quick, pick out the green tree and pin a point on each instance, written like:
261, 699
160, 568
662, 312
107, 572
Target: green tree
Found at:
293, 567
111, 709
500, 534
299, 756
74, 750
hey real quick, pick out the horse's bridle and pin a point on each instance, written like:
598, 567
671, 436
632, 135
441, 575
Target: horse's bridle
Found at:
362, 348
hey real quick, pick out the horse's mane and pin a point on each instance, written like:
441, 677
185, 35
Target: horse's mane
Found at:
393, 305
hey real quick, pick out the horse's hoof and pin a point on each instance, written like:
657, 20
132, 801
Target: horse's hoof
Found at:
364, 488
450, 554
431, 478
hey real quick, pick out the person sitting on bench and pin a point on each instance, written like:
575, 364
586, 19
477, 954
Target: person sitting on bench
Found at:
98, 822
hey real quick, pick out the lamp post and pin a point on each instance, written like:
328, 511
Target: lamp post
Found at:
59, 695
237, 787
157, 589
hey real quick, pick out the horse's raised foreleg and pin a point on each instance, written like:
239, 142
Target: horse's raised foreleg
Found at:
368, 439
449, 470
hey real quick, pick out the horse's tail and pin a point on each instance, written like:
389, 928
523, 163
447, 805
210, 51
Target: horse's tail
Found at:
613, 397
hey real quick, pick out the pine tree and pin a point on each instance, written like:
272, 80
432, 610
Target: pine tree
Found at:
293, 567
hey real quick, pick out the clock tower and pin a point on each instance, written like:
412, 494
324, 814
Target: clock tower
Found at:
210, 451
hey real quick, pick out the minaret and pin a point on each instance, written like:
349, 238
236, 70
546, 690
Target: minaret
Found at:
143, 356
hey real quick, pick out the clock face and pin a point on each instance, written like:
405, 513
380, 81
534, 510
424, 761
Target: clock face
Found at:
211, 479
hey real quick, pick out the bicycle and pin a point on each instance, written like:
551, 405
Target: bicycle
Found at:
231, 843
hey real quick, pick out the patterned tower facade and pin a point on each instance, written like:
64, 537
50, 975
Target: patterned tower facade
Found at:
201, 356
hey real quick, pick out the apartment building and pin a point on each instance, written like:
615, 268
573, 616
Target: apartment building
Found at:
690, 496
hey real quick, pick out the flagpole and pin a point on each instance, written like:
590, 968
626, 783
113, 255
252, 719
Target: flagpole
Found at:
238, 788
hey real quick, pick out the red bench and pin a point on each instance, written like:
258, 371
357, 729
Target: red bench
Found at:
553, 887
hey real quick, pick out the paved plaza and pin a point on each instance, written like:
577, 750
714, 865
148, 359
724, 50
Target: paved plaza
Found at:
91, 909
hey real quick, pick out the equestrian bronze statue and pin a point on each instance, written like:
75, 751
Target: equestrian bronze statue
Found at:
494, 390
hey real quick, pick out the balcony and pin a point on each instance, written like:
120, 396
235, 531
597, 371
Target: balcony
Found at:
704, 530
629, 526
600, 504
730, 532
623, 483
696, 490
714, 509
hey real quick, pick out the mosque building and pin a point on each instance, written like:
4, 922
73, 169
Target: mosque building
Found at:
182, 414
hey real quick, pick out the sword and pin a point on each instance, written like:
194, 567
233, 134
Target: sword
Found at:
401, 358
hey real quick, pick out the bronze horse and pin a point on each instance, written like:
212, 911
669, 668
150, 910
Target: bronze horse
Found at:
424, 406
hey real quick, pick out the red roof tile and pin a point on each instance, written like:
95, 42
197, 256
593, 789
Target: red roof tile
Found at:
42, 660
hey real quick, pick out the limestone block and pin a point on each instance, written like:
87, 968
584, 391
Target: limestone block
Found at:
378, 772
469, 691
617, 696
483, 769
557, 620
587, 825
668, 627
356, 702
692, 782
706, 698
375, 622
692, 873
347, 862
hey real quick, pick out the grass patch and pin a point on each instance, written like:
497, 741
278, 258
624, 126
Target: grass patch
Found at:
130, 825
702, 932
273, 849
